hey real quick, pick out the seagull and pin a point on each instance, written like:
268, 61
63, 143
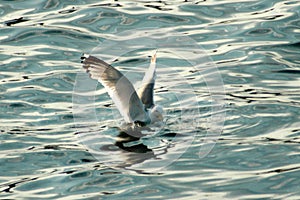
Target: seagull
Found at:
137, 108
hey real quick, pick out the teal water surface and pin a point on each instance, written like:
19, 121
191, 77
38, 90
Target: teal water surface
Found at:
255, 47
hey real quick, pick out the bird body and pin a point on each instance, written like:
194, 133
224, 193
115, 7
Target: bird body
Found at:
137, 108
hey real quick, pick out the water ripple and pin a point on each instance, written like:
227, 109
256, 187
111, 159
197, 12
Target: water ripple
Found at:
255, 45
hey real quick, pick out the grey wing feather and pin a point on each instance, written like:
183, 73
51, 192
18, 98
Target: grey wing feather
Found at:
146, 94
118, 87
146, 91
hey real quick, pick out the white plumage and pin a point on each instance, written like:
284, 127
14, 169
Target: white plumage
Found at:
137, 108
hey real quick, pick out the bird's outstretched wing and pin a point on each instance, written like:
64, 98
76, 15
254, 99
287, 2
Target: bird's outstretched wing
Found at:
146, 91
118, 87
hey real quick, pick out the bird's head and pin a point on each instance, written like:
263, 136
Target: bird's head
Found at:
156, 114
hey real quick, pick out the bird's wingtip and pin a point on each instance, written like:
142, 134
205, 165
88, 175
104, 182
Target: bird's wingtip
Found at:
153, 58
84, 57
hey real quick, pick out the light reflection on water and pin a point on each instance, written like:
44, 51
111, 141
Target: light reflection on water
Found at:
255, 46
